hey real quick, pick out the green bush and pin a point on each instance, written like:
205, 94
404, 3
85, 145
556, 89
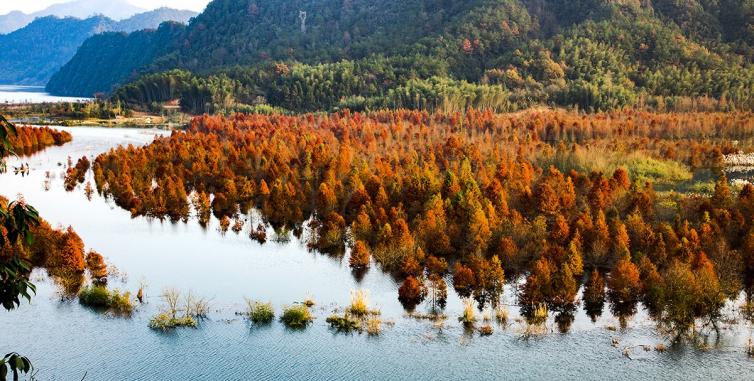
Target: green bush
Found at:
165, 321
297, 316
95, 296
344, 323
100, 297
657, 171
260, 313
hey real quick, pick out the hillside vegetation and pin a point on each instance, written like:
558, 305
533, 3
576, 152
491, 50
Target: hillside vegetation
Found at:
31, 55
501, 54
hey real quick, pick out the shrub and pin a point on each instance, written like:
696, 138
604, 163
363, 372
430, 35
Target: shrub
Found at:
374, 326
468, 317
121, 302
95, 296
164, 321
196, 307
485, 330
168, 319
297, 316
260, 313
359, 304
100, 297
344, 323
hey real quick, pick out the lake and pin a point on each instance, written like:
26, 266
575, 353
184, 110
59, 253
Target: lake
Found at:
68, 342
14, 94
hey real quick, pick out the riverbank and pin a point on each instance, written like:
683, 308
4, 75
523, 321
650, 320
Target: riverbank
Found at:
54, 115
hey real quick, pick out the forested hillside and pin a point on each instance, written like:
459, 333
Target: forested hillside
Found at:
31, 55
309, 55
122, 52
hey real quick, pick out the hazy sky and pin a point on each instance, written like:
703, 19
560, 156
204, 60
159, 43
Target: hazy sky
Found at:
36, 5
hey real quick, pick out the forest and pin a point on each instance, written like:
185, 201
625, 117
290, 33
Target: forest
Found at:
32, 54
608, 201
29, 140
594, 55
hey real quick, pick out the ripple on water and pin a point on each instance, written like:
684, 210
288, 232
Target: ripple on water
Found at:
66, 340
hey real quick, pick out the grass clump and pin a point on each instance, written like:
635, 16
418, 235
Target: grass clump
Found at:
259, 313
485, 330
174, 314
359, 303
96, 296
374, 326
468, 317
641, 166
344, 323
501, 314
165, 321
296, 316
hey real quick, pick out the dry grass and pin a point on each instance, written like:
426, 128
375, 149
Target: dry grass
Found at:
501, 314
196, 307
259, 313
487, 316
359, 303
486, 330
468, 317
374, 326
297, 316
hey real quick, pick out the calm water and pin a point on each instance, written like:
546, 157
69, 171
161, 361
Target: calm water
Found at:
30, 94
67, 341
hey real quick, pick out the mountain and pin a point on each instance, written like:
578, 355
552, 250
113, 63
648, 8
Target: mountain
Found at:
14, 21
31, 55
35, 52
122, 52
152, 19
114, 9
307, 55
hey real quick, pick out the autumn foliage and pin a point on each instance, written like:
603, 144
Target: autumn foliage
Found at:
60, 251
549, 195
29, 140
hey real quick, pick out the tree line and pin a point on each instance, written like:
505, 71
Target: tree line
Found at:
472, 197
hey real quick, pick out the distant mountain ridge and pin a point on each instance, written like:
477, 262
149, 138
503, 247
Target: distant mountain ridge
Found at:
32, 54
113, 9
307, 55
122, 52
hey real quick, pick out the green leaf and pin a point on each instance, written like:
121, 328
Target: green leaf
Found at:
20, 365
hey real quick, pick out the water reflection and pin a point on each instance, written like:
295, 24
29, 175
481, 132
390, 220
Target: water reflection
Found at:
153, 255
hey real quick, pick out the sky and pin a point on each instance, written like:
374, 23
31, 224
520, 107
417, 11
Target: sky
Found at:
29, 6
